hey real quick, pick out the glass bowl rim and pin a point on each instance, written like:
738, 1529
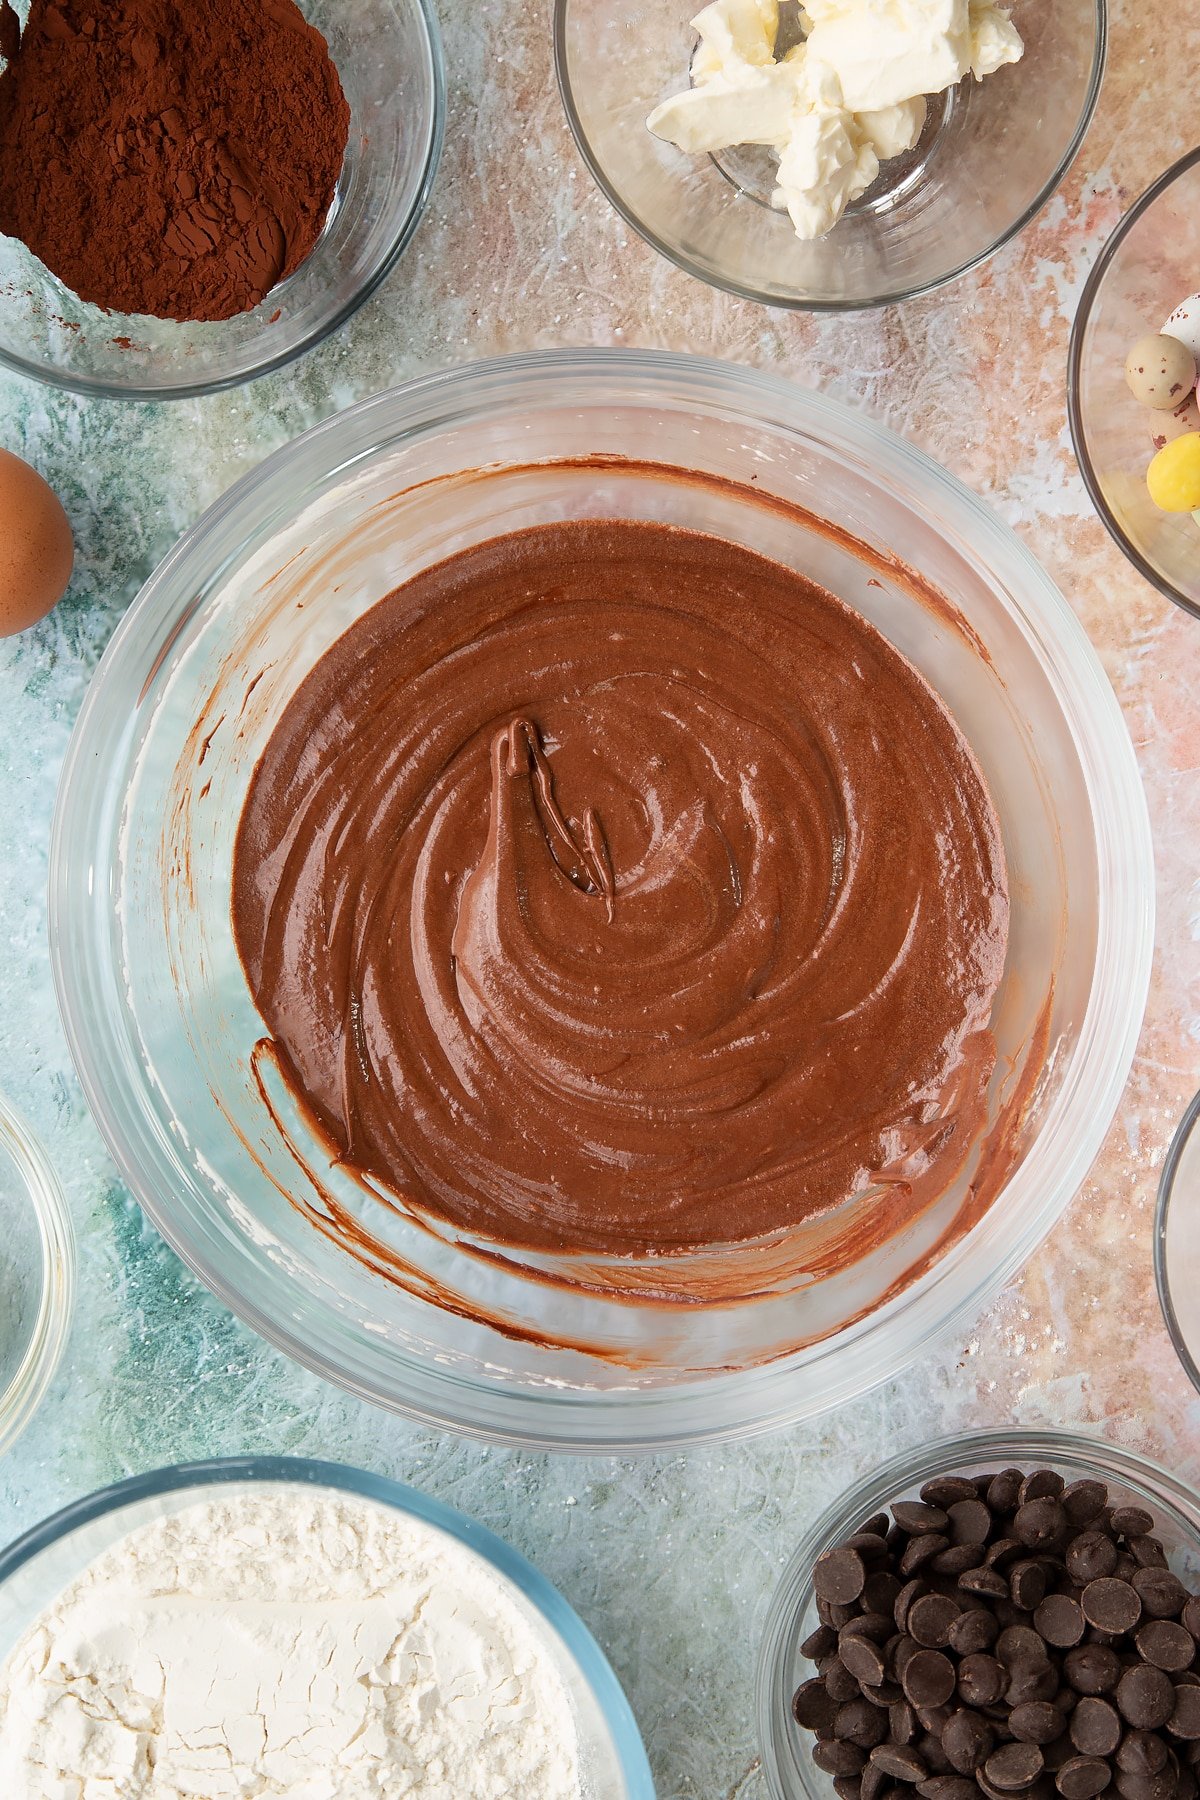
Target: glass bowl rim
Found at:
538, 1589
681, 1413
1166, 1190
1096, 1455
1079, 443
43, 1353
797, 303
95, 387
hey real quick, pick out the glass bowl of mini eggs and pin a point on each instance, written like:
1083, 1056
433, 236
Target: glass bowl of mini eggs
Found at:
1134, 413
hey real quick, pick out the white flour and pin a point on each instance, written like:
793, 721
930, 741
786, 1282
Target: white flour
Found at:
281, 1642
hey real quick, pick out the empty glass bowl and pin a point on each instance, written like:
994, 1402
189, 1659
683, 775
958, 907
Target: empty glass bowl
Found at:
388, 55
1150, 263
1177, 1241
1131, 1480
37, 1274
992, 154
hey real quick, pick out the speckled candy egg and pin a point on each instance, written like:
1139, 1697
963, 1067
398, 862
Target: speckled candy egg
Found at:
36, 548
1184, 325
1165, 427
1174, 476
1161, 372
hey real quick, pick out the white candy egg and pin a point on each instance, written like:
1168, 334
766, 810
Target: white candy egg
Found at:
1184, 324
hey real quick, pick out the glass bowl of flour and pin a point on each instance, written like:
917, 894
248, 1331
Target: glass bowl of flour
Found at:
37, 1274
978, 163
279, 1626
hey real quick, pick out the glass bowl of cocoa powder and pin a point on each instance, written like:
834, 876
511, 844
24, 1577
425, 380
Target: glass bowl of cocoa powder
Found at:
222, 205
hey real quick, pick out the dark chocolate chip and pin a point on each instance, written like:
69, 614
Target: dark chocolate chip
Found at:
1039, 1522
1092, 1669
864, 1659
1036, 1722
1147, 1787
902, 1723
1004, 1552
878, 1626
947, 1490
1083, 1778
1059, 1750
874, 1782
1059, 1619
1166, 1645
881, 1591
1163, 1595
912, 1590
1020, 1646
870, 1546
929, 1749
931, 1618
1083, 1501
1111, 1605
1095, 1727
970, 1522
918, 1518
1146, 1697
885, 1695
847, 1787
1042, 1484
1032, 1681
981, 1679
1014, 1767
1148, 1552
900, 1761
860, 1723
813, 1707
958, 1559
819, 1643
837, 1758
1004, 1490
928, 1678
1027, 1583
1184, 1721
1131, 1521
1089, 1557
878, 1525
900, 1654
948, 1787
1141, 1753
920, 1550
968, 1741
984, 1581
841, 1684
975, 1629
1190, 1617
839, 1576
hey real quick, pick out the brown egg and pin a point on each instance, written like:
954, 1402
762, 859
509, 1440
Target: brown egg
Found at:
36, 547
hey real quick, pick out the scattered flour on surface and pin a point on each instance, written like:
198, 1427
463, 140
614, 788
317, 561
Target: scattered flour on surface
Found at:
277, 1641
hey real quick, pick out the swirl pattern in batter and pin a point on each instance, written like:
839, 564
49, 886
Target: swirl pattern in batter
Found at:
609, 887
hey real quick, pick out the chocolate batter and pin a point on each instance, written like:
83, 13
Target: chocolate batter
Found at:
610, 887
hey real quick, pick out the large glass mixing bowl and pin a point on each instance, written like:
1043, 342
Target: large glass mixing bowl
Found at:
161, 1020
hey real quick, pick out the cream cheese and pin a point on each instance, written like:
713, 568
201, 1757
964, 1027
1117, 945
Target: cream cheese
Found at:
851, 96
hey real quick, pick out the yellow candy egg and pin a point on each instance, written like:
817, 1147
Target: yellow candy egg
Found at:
1174, 476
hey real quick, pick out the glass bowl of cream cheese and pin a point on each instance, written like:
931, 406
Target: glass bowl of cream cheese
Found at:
851, 154
562, 1343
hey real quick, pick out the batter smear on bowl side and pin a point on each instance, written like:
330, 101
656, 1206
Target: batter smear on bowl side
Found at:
609, 887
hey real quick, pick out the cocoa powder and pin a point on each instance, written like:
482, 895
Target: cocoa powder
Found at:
171, 157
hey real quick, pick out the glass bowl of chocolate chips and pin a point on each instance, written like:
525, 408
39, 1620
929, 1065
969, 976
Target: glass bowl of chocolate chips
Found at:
998, 1616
